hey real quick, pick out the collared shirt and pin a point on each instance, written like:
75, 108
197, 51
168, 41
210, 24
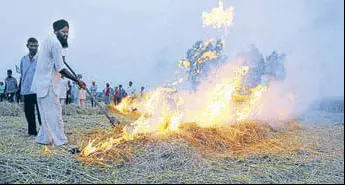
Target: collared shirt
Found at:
27, 72
2, 89
93, 89
11, 85
130, 91
49, 65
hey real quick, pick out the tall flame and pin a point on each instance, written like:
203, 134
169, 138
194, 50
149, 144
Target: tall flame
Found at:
222, 98
219, 17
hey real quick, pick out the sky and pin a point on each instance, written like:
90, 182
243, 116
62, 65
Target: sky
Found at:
142, 41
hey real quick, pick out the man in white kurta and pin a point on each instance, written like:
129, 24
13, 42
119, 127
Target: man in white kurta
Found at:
46, 83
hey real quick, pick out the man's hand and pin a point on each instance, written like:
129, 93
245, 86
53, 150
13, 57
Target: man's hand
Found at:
82, 84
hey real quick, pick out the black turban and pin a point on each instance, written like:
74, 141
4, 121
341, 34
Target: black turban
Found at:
59, 24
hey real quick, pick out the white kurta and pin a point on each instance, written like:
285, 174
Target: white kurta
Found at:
52, 128
47, 85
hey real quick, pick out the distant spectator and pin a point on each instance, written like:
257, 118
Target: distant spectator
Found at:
82, 97
122, 93
11, 86
130, 89
82, 94
93, 90
75, 93
142, 92
107, 92
116, 93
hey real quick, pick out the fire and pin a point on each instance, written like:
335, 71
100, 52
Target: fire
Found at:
221, 99
184, 64
164, 109
219, 17
125, 106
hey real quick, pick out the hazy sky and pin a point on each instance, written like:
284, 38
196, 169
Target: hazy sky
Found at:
117, 41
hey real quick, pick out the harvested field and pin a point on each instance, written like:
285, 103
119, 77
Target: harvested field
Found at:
316, 155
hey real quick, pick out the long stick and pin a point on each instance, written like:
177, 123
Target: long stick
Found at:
111, 119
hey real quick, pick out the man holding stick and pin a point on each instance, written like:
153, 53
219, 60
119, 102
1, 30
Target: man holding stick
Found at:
46, 83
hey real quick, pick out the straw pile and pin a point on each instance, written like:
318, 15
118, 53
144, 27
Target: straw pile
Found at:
173, 158
241, 139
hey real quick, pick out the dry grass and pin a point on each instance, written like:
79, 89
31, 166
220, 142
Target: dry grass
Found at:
240, 139
10, 109
311, 154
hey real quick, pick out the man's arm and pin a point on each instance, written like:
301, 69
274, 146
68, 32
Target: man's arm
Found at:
58, 60
21, 75
69, 75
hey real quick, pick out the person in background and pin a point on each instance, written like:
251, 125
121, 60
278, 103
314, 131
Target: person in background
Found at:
116, 93
68, 94
11, 86
82, 93
142, 92
27, 71
82, 97
130, 89
75, 93
93, 90
122, 93
107, 92
2, 91
63, 90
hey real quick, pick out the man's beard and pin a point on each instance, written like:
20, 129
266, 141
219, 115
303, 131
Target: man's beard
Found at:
63, 42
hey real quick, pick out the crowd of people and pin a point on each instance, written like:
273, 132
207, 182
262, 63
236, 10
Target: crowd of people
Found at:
70, 93
46, 83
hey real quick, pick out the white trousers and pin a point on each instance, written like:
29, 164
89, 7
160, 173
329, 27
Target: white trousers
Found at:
52, 128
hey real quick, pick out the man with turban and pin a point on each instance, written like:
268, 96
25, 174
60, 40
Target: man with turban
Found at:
46, 82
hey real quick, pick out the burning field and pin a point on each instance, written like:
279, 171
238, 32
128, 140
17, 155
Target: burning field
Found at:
246, 152
223, 120
231, 131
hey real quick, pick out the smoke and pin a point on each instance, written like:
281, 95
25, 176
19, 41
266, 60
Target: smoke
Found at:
307, 31
310, 33
118, 41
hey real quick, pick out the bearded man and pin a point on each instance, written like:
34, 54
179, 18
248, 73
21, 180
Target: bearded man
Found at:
46, 83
